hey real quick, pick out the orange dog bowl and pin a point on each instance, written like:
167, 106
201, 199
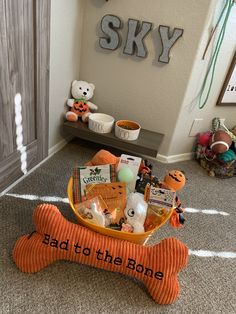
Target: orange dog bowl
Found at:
127, 130
140, 238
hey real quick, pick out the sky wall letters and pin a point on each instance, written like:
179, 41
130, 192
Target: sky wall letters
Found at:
137, 31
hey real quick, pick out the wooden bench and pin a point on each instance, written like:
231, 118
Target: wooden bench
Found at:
147, 144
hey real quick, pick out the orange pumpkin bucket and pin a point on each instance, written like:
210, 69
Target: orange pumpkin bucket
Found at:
140, 238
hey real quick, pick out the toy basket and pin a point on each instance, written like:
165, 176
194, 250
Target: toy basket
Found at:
140, 238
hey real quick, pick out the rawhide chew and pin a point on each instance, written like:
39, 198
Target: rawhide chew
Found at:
56, 238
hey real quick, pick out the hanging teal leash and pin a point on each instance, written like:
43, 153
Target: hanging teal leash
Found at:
211, 68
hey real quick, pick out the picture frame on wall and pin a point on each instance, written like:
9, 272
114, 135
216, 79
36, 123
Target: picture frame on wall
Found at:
227, 95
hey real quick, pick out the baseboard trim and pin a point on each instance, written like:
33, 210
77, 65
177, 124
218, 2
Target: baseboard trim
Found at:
56, 148
174, 158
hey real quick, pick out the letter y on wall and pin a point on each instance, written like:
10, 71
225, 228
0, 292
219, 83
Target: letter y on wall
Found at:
168, 41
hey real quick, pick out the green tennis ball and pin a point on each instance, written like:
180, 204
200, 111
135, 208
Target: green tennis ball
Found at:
125, 175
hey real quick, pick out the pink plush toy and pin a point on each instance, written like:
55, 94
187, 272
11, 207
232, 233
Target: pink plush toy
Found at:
204, 138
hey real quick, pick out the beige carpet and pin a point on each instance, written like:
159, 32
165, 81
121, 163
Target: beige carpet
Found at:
208, 284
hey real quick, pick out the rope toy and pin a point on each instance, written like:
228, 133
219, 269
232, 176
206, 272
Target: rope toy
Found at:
209, 76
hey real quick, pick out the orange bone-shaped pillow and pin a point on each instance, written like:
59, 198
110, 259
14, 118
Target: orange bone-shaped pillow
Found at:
56, 238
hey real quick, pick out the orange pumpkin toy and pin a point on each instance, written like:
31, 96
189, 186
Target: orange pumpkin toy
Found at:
175, 180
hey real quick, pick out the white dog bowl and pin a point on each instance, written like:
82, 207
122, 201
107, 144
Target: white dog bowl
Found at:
127, 130
100, 122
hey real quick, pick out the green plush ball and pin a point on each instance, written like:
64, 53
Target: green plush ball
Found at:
125, 175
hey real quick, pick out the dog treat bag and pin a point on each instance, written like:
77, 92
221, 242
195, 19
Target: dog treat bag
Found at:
85, 175
95, 210
160, 204
114, 195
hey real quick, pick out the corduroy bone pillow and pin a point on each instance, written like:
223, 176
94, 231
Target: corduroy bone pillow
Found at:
56, 238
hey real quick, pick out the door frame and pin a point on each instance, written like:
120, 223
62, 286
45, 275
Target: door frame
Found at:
42, 64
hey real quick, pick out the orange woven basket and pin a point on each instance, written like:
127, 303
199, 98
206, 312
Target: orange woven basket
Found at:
140, 238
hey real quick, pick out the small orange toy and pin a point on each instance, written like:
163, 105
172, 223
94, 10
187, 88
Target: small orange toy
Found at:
103, 157
56, 239
175, 181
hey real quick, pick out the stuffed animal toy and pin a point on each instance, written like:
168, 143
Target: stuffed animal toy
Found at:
80, 106
220, 142
136, 211
103, 157
227, 157
203, 149
204, 138
56, 238
175, 180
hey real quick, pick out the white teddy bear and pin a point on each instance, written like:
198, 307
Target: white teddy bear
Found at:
80, 105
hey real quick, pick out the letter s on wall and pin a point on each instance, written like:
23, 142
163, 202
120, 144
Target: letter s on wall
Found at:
108, 23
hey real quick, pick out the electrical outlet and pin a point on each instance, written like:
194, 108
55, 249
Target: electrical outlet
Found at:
196, 127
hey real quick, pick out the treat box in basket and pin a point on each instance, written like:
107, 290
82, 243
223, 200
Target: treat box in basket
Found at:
140, 238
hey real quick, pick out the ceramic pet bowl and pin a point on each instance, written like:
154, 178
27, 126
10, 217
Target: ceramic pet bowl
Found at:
127, 130
100, 122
